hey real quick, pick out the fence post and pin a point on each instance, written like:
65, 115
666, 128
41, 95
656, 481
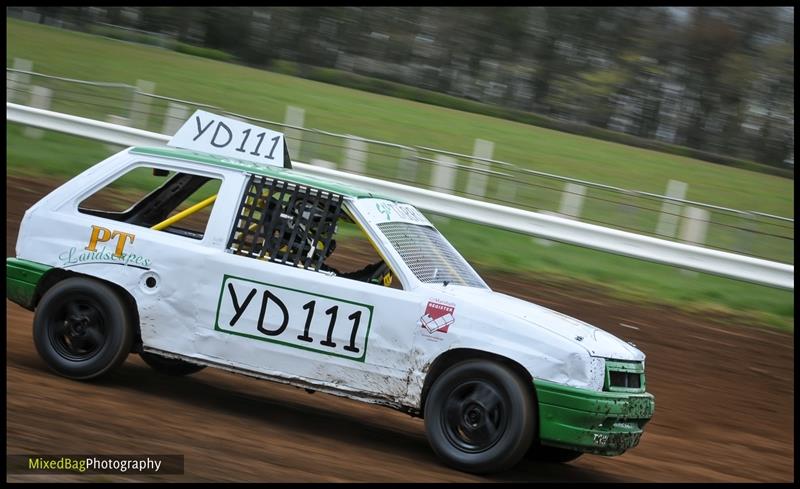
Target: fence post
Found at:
572, 200
695, 224
16, 82
477, 179
670, 211
40, 98
293, 137
443, 179
140, 107
355, 155
571, 205
693, 229
444, 174
174, 118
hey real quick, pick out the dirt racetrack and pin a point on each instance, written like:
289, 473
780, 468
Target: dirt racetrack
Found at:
724, 406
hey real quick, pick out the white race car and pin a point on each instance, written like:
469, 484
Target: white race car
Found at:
225, 257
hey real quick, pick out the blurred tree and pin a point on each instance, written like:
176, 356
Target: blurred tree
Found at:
225, 27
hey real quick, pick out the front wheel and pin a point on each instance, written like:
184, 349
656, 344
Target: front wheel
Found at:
82, 328
480, 417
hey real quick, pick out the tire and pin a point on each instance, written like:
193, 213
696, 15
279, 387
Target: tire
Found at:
170, 366
82, 328
543, 453
480, 417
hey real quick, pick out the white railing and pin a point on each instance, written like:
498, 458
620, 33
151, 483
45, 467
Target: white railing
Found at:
533, 223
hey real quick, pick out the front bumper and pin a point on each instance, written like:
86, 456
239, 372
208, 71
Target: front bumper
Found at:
605, 423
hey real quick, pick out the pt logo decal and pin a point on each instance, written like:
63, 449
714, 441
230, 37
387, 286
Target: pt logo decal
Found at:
102, 235
114, 254
438, 317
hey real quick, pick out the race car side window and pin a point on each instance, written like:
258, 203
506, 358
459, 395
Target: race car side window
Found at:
174, 202
284, 222
294, 224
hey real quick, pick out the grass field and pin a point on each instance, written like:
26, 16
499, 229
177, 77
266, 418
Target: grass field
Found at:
266, 95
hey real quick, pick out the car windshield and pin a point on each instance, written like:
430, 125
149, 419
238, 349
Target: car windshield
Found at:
429, 256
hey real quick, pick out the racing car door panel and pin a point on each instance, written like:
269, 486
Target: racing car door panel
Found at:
297, 323
270, 310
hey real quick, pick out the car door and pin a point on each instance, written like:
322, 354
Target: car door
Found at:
279, 314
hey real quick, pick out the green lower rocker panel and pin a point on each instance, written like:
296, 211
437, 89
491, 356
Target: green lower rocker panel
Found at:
22, 277
605, 423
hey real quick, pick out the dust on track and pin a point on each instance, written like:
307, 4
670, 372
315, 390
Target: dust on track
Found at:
724, 405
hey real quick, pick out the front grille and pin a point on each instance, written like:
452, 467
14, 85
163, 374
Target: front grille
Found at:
624, 376
625, 379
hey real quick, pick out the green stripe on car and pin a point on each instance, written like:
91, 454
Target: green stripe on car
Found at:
22, 277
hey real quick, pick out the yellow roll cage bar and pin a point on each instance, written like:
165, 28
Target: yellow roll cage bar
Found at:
185, 213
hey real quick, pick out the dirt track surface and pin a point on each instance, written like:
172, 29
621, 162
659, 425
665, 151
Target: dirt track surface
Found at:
724, 407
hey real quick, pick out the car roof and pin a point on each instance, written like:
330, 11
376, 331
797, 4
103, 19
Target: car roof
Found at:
268, 171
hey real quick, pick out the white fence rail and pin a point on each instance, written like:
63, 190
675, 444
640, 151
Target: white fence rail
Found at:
533, 223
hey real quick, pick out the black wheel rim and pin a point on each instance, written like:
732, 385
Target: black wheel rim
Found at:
77, 328
474, 416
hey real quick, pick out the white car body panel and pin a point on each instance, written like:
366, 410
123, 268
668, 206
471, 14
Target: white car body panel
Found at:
190, 312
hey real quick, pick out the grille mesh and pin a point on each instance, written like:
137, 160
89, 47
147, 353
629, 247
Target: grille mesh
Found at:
625, 379
285, 222
429, 256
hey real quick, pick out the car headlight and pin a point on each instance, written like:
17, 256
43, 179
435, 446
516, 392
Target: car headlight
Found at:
597, 373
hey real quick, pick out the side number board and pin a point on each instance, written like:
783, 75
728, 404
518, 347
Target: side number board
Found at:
295, 318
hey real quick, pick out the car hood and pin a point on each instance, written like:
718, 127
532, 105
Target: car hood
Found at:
597, 342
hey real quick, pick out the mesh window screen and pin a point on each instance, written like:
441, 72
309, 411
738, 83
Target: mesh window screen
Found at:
285, 222
429, 256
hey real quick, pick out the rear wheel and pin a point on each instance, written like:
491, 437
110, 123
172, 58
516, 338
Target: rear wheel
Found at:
170, 366
82, 328
480, 417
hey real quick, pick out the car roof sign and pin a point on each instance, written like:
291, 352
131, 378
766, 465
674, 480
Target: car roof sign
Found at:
225, 136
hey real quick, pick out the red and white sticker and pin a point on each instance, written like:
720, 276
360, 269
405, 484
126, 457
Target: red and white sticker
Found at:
438, 317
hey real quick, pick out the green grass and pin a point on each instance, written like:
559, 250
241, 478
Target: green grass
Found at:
266, 95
